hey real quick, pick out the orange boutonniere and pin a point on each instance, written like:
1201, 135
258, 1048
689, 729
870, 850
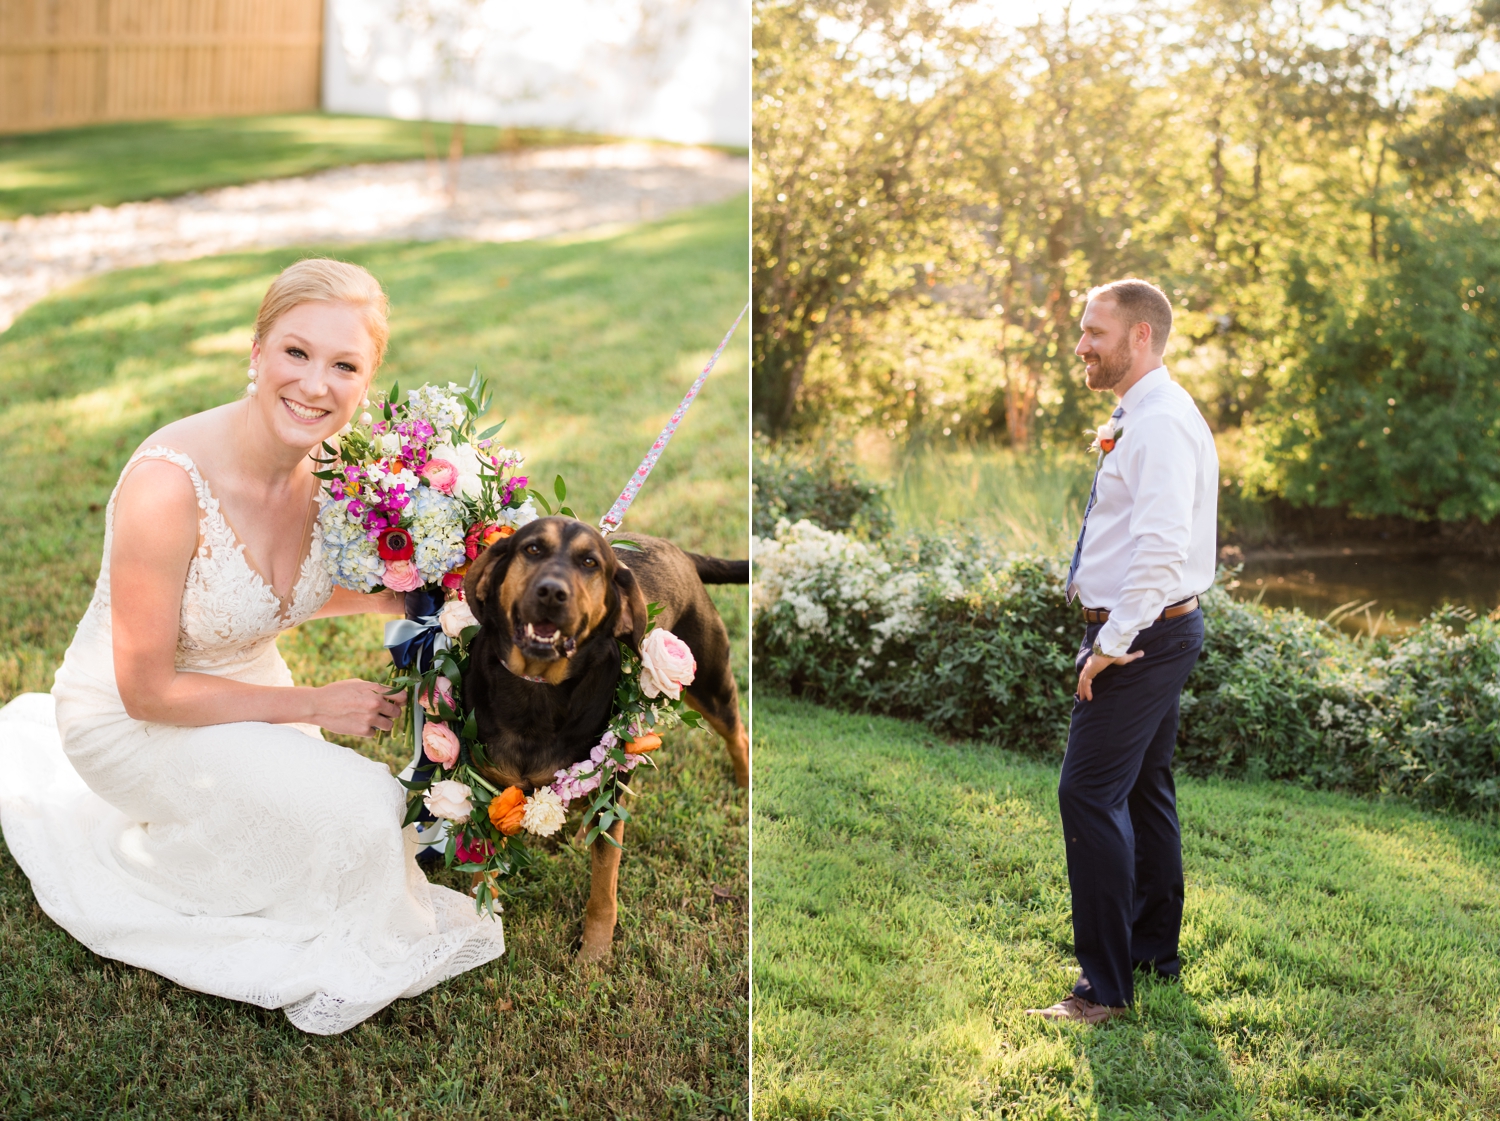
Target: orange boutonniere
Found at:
1106, 438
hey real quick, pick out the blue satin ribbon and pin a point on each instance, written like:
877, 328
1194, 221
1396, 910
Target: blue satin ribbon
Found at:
415, 641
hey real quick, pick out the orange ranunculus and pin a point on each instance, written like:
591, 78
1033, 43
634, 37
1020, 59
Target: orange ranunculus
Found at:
643, 745
507, 810
493, 533
505, 531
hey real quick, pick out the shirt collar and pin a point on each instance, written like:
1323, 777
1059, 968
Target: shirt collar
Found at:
1137, 392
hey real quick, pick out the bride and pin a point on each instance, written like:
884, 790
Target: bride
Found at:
172, 800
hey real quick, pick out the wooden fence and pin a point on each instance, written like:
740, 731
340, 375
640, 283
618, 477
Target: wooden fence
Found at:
73, 62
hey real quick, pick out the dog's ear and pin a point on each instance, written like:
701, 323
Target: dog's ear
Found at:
632, 621
487, 573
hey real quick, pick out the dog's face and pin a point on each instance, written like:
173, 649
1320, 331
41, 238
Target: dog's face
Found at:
549, 587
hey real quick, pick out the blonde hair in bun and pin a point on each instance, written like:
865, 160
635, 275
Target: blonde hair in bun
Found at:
323, 280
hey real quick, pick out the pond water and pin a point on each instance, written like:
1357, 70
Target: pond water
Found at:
1405, 585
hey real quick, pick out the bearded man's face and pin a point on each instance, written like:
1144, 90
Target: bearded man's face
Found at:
1105, 345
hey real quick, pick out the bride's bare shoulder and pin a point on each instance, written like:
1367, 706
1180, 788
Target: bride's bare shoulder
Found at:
159, 493
195, 436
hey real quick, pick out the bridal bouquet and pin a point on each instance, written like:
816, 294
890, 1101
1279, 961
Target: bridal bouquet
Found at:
411, 498
485, 823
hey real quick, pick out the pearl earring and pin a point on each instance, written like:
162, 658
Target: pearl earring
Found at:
252, 375
367, 400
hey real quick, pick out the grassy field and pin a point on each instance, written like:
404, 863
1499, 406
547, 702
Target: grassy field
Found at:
589, 345
102, 165
1341, 957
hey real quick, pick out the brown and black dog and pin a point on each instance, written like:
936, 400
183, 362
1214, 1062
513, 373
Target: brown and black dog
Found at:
552, 600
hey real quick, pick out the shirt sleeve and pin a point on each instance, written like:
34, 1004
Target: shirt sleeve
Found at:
1160, 472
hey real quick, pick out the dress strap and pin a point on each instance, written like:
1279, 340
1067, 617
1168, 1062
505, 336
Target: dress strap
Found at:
181, 459
213, 531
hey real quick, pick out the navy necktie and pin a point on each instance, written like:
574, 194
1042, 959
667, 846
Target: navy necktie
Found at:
1093, 497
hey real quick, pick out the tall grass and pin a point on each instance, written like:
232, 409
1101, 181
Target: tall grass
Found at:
1024, 500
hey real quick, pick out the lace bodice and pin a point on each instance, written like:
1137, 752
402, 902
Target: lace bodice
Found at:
230, 614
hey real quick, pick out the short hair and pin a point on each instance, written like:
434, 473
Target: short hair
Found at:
322, 280
1140, 301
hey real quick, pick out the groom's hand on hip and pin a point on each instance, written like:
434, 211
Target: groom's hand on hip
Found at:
1095, 665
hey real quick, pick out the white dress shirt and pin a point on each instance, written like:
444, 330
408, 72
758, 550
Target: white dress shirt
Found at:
1151, 534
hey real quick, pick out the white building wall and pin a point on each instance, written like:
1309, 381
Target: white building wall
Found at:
666, 69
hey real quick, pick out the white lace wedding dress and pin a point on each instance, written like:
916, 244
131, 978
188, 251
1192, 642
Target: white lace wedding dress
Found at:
252, 861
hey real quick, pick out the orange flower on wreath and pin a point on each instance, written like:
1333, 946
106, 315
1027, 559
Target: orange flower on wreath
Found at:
507, 809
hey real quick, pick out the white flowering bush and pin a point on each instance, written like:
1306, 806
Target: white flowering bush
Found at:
900, 627
834, 586
981, 644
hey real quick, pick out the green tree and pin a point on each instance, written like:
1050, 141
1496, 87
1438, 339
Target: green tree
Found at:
1393, 408
850, 171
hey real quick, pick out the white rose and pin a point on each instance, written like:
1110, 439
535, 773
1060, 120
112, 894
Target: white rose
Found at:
523, 514
450, 800
455, 616
466, 460
390, 443
666, 664
545, 813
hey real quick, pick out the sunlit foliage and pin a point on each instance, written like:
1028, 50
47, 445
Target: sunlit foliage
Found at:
937, 191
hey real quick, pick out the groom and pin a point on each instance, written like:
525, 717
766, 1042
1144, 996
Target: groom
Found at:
1145, 552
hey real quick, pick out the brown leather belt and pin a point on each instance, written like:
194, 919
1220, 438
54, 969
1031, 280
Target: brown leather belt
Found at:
1099, 615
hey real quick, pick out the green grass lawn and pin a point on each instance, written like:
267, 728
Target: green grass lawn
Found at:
589, 344
1341, 957
102, 165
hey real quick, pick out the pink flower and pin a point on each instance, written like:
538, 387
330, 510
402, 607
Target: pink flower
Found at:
402, 576
472, 851
439, 743
666, 664
441, 475
442, 691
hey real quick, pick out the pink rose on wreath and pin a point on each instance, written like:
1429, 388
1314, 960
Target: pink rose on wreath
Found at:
442, 690
441, 475
666, 664
439, 743
402, 576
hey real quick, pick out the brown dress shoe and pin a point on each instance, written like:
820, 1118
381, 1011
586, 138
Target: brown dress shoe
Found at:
1078, 1010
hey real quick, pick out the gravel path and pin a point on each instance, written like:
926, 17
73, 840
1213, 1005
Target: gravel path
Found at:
508, 197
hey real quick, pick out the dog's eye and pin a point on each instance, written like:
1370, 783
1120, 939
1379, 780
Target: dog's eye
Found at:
533, 549
590, 562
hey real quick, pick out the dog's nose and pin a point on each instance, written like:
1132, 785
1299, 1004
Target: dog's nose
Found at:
551, 592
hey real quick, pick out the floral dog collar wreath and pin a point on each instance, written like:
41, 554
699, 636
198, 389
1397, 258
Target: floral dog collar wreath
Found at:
486, 824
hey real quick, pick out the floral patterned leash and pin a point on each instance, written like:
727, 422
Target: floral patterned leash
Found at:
611, 521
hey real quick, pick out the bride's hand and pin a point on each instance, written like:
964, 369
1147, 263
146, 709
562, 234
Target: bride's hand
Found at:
357, 708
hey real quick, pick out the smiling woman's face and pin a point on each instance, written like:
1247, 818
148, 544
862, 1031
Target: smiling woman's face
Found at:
314, 369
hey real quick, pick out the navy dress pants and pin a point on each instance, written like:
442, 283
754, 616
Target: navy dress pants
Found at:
1119, 812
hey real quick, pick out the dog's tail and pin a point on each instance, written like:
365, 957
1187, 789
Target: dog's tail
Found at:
716, 570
